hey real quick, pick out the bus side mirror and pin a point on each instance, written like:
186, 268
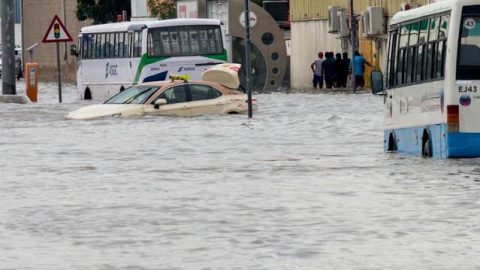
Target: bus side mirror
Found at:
73, 50
376, 81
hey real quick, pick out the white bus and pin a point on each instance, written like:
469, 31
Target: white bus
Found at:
114, 56
432, 93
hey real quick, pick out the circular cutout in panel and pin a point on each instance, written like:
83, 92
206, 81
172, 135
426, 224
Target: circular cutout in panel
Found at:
275, 56
275, 71
267, 38
272, 82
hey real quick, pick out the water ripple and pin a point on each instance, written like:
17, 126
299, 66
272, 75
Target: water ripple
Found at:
303, 185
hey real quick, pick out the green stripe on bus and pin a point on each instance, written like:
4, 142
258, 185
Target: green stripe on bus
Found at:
222, 56
145, 61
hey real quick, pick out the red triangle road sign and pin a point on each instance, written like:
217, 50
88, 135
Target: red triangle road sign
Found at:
57, 32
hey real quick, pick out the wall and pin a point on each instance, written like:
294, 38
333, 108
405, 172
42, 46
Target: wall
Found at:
310, 35
34, 28
308, 38
317, 9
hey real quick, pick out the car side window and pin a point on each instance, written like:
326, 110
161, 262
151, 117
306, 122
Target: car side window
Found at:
173, 95
203, 92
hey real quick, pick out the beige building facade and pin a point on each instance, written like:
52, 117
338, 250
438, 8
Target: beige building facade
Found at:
37, 16
309, 24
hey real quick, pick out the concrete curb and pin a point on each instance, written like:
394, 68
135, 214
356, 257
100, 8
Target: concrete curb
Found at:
14, 99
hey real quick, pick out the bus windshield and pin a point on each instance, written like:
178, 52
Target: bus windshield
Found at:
468, 66
133, 95
185, 40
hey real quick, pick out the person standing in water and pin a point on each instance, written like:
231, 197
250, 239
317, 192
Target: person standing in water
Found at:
317, 70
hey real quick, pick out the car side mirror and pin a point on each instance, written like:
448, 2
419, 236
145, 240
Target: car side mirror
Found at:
159, 102
376, 81
73, 50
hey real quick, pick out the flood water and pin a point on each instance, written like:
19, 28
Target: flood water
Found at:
304, 185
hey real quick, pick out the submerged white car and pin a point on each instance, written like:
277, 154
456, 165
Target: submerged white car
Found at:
173, 98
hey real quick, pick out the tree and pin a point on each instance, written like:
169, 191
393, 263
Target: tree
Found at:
102, 11
163, 9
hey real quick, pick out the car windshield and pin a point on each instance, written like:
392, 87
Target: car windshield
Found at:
133, 95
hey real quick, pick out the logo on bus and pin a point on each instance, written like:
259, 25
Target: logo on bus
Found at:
465, 100
111, 70
185, 69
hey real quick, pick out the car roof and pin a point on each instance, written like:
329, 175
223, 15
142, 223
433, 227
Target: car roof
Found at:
175, 82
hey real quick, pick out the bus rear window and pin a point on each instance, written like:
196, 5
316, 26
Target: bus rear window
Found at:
469, 46
470, 42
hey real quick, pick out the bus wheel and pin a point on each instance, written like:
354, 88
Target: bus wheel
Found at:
392, 144
88, 94
427, 146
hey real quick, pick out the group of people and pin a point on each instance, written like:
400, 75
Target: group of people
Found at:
335, 68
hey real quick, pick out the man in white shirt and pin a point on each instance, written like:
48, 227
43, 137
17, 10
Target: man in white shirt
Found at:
316, 67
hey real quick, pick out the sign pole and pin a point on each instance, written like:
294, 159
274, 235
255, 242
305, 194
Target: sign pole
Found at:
57, 33
247, 57
59, 74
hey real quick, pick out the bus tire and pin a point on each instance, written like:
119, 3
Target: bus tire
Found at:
426, 145
87, 95
392, 143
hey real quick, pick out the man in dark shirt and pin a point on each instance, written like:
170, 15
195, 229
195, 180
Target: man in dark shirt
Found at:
340, 72
328, 67
345, 68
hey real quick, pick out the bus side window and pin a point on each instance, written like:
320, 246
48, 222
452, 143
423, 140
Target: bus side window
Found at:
420, 63
439, 57
391, 58
412, 56
184, 42
85, 44
98, 45
402, 56
422, 49
194, 44
401, 67
137, 44
429, 65
175, 41
432, 48
442, 47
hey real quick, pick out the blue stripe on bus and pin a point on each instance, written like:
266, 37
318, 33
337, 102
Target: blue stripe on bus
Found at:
157, 77
462, 144
208, 64
410, 140
444, 144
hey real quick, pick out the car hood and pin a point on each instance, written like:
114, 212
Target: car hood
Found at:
102, 110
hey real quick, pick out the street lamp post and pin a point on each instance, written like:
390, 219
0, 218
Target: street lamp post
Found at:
8, 48
353, 41
247, 57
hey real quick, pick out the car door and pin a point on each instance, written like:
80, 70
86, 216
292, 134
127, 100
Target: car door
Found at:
177, 102
205, 99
